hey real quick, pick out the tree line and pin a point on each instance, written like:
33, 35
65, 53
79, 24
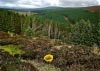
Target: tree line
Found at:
82, 32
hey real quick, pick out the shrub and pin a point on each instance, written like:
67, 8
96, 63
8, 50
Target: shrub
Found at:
82, 33
29, 32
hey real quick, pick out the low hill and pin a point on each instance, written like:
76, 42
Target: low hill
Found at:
94, 8
73, 14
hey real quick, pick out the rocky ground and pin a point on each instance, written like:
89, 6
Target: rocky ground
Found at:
67, 57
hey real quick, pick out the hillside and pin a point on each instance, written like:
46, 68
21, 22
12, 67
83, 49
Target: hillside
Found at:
54, 23
94, 8
27, 54
50, 39
73, 14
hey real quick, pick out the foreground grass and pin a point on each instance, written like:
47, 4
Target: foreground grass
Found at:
41, 66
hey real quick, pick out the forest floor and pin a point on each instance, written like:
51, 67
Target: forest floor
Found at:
20, 53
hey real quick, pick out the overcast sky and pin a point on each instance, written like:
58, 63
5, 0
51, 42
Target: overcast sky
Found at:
46, 3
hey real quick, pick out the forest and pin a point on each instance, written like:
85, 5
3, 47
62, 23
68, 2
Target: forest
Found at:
76, 25
61, 39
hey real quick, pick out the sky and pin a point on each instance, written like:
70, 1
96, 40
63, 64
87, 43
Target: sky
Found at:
47, 3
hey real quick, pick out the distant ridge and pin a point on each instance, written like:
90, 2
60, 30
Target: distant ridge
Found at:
32, 9
94, 8
91, 8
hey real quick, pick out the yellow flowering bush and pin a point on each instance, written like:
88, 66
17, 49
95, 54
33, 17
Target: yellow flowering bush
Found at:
48, 58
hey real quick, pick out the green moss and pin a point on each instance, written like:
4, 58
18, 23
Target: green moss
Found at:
12, 49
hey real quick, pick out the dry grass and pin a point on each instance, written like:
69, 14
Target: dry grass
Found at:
41, 66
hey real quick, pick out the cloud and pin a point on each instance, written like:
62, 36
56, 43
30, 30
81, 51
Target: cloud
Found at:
78, 3
8, 1
46, 3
